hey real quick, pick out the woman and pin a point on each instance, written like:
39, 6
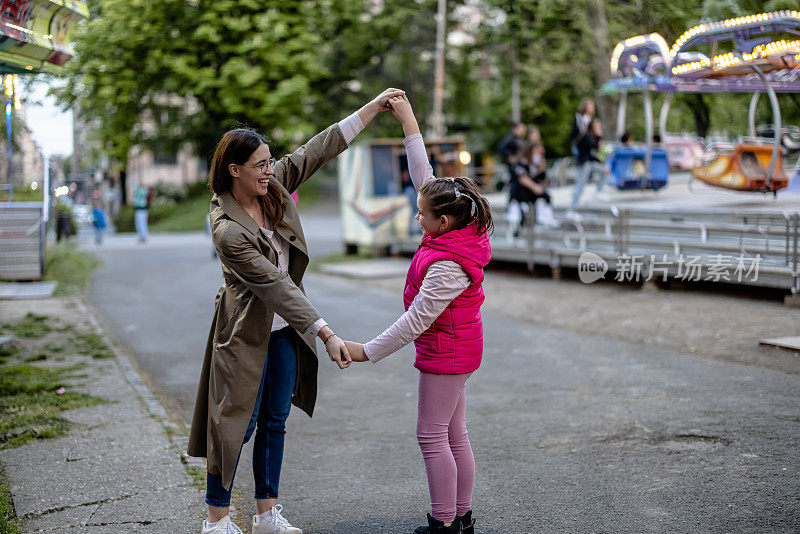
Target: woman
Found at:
581, 138
529, 184
261, 351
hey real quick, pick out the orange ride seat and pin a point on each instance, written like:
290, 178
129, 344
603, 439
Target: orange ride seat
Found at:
744, 168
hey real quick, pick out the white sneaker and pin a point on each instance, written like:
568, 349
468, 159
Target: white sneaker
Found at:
274, 523
223, 526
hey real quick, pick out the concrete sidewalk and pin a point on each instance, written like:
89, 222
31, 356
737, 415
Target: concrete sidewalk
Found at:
119, 469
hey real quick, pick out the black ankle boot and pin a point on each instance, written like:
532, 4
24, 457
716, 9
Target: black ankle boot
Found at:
437, 527
466, 522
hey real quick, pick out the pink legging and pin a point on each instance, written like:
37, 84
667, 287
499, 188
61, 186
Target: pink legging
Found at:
442, 437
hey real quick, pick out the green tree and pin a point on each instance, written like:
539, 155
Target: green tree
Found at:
185, 71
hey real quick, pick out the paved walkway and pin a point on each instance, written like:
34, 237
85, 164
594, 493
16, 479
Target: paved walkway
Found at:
117, 470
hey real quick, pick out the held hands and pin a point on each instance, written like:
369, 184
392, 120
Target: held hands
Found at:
336, 348
378, 104
382, 100
356, 351
401, 109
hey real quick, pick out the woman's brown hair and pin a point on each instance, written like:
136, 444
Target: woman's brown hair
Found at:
584, 105
461, 200
236, 146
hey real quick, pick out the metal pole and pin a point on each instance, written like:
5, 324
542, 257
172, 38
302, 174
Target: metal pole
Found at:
776, 118
751, 113
45, 214
9, 155
438, 95
648, 128
794, 246
623, 104
46, 190
516, 111
662, 119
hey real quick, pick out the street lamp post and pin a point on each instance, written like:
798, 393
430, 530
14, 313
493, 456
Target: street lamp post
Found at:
8, 83
438, 129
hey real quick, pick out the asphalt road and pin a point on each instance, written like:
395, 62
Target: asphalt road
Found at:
571, 432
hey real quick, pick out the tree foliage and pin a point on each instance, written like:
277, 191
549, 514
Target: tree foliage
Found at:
183, 71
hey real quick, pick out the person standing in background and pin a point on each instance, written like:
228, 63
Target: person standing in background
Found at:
141, 204
581, 146
99, 223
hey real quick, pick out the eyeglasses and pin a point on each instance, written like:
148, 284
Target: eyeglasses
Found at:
264, 167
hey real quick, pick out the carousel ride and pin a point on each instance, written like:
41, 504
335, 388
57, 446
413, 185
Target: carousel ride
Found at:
36, 34
755, 60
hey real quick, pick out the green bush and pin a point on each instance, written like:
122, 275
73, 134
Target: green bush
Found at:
63, 209
172, 209
123, 221
198, 189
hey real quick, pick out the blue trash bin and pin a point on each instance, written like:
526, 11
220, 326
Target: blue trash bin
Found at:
628, 168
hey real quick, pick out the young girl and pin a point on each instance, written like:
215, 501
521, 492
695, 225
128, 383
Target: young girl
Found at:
443, 296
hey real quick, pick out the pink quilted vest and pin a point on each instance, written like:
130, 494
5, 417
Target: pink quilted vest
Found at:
454, 342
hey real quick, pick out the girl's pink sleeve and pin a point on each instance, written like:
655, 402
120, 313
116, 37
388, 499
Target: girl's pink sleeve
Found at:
418, 166
444, 281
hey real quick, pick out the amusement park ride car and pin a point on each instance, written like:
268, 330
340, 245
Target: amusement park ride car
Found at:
757, 61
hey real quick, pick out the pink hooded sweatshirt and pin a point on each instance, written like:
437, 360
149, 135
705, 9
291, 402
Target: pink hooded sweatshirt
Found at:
454, 342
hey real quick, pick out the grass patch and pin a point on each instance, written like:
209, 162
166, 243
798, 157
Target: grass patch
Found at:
32, 326
22, 193
52, 347
93, 344
187, 216
198, 475
29, 406
9, 523
9, 350
37, 357
70, 267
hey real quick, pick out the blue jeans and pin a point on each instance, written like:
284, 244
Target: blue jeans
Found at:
273, 402
583, 173
140, 222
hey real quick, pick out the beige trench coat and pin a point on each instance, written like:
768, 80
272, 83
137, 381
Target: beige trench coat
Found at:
255, 290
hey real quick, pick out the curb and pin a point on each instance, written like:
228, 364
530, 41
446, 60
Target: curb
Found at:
132, 376
7, 341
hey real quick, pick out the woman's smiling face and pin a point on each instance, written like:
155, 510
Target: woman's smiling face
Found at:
253, 176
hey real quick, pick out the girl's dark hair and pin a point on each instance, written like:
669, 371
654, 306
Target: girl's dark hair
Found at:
456, 197
236, 146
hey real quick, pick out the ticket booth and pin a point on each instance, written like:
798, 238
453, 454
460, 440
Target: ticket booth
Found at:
374, 193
